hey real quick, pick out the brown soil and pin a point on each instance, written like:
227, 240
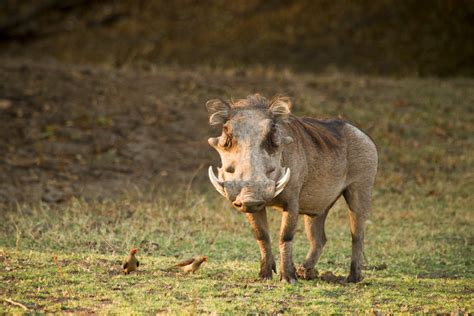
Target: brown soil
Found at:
90, 132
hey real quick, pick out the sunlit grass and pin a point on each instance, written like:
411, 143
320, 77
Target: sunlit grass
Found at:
428, 256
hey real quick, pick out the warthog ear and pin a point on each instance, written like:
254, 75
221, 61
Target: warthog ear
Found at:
280, 107
218, 110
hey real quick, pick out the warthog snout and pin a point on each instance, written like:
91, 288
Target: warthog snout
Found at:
249, 206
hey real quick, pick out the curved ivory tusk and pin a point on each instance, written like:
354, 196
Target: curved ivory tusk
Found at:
281, 184
215, 182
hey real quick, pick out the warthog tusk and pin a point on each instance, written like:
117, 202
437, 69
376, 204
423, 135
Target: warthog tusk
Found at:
281, 184
218, 185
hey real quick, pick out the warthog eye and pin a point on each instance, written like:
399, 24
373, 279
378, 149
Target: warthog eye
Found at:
228, 142
272, 140
225, 141
226, 138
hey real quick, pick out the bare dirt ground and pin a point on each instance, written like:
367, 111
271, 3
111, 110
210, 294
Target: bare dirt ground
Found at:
83, 131
90, 132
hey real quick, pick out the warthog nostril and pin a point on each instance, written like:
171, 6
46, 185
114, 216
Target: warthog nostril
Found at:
249, 206
253, 205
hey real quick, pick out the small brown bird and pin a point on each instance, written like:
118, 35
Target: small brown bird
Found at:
130, 263
190, 265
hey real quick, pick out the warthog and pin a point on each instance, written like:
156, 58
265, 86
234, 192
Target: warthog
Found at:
298, 165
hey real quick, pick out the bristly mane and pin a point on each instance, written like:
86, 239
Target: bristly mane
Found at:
325, 134
255, 101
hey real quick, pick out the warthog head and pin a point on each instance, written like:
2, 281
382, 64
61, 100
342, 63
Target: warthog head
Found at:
250, 147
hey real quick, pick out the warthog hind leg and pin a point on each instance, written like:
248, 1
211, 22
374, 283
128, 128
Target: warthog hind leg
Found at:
259, 224
358, 198
314, 226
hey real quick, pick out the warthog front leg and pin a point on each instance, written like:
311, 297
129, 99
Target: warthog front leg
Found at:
314, 226
287, 231
259, 224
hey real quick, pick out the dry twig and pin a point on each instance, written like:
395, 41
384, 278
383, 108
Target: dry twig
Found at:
15, 303
109, 244
60, 271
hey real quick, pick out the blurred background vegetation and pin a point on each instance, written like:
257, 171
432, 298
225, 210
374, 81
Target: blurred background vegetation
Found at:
389, 37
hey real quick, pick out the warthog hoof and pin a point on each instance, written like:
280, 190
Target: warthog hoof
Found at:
266, 269
355, 278
306, 273
288, 278
288, 275
355, 275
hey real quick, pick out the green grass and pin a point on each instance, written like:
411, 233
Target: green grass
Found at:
427, 247
420, 226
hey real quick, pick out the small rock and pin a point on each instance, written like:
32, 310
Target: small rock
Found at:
53, 195
5, 104
330, 277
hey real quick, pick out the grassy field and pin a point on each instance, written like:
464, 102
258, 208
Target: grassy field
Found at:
419, 245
